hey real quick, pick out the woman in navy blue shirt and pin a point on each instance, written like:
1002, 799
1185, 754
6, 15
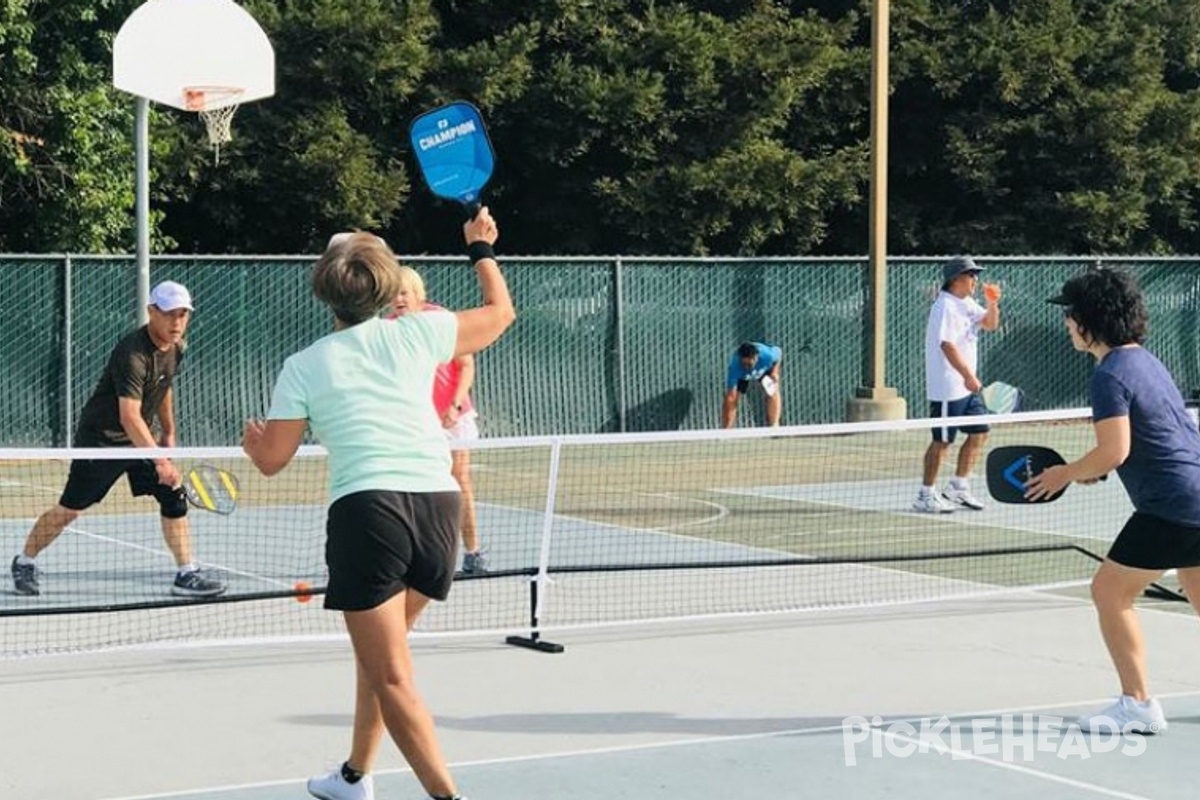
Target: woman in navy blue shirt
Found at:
1143, 432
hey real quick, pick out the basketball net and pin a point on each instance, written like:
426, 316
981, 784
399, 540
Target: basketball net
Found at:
216, 105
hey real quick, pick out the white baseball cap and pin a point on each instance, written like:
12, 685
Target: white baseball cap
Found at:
169, 295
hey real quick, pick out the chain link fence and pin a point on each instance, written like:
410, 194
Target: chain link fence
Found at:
600, 344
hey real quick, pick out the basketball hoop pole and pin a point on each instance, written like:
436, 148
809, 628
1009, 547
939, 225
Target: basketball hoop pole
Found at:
163, 47
142, 145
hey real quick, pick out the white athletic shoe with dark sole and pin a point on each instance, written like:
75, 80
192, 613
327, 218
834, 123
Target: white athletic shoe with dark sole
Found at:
962, 497
332, 786
932, 504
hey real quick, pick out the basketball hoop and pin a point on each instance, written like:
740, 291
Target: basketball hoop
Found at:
216, 106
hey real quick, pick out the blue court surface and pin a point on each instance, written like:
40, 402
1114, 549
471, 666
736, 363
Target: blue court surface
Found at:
955, 698
121, 557
761, 707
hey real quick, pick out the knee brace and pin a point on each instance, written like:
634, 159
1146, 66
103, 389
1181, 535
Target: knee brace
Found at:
172, 503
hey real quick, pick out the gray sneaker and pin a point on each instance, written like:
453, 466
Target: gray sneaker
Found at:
25, 578
474, 563
196, 584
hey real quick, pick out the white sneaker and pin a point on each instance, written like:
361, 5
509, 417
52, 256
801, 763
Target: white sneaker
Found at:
332, 786
932, 504
962, 497
1127, 716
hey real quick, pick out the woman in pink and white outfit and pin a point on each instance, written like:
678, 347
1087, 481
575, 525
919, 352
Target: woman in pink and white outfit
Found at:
452, 400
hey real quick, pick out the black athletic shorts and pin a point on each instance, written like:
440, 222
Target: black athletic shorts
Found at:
379, 543
90, 480
1150, 542
743, 385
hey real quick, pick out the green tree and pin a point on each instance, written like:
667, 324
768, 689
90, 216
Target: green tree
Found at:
643, 127
66, 157
657, 128
325, 153
684, 127
1044, 127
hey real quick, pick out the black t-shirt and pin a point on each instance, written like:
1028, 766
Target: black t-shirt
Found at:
137, 369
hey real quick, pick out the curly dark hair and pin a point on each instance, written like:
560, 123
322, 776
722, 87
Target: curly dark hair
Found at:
1107, 305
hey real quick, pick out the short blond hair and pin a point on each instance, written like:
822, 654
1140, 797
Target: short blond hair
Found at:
411, 280
357, 277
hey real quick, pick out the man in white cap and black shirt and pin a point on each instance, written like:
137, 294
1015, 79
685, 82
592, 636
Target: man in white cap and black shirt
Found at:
135, 387
952, 382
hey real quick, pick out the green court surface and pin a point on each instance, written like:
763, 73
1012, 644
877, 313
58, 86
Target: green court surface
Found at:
627, 531
691, 669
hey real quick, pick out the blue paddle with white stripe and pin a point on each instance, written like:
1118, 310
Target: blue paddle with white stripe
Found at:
454, 153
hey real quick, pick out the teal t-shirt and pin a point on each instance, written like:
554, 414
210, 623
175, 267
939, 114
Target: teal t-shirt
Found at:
365, 392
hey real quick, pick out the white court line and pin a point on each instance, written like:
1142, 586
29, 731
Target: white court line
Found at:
659, 532
158, 551
924, 518
749, 548
703, 740
21, 484
722, 511
518, 473
420, 636
914, 526
1036, 773
961, 517
958, 583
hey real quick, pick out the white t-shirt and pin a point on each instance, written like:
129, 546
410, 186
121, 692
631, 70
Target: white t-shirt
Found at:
365, 392
955, 320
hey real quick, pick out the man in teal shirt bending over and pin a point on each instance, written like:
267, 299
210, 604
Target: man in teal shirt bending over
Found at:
753, 362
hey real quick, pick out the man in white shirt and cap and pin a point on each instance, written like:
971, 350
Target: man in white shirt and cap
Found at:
952, 382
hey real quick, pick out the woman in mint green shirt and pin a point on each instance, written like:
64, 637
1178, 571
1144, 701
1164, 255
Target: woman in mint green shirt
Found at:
392, 528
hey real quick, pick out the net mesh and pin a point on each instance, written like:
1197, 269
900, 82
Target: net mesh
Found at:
218, 122
216, 106
612, 530
61, 315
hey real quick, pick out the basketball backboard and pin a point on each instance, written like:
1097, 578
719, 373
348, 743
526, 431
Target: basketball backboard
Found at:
167, 47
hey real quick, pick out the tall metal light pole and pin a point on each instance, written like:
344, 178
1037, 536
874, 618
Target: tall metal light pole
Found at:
874, 400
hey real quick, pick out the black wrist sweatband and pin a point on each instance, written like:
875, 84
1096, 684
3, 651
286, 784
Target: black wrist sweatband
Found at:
480, 250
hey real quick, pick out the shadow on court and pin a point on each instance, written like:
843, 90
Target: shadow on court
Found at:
738, 709
665, 412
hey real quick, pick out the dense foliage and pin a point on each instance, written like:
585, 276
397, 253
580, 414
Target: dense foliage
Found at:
632, 126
